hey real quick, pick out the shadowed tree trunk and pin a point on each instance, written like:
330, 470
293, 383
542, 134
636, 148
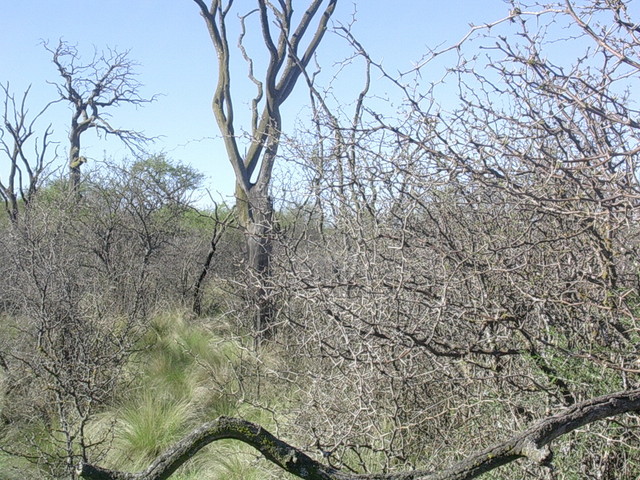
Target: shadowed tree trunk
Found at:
259, 248
220, 225
75, 160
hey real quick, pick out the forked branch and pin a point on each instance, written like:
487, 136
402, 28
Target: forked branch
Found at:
283, 69
23, 169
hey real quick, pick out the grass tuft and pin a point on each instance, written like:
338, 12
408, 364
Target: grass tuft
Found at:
187, 373
147, 427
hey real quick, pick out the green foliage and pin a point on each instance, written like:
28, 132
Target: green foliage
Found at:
197, 221
15, 468
203, 221
161, 178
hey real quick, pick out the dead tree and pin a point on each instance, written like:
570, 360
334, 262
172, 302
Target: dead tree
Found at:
221, 221
91, 89
24, 168
290, 48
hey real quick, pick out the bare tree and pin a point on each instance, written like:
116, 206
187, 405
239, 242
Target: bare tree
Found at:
481, 255
25, 168
91, 89
135, 222
222, 219
290, 48
469, 272
67, 356
80, 284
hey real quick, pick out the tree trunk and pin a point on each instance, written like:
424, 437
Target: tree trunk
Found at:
256, 217
197, 288
75, 160
218, 230
11, 206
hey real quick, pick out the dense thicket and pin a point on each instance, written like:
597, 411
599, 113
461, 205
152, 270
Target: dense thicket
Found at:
464, 271
82, 279
440, 279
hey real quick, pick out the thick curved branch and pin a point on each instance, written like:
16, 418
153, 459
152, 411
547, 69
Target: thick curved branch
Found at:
275, 450
282, 72
533, 443
222, 105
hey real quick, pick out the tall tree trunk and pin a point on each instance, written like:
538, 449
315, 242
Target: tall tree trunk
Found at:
256, 211
253, 169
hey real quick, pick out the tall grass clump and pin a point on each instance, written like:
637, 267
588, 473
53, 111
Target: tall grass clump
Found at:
148, 425
187, 373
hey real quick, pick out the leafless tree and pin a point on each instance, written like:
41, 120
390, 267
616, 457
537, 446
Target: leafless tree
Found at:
135, 227
480, 256
91, 89
457, 273
221, 221
68, 352
290, 47
24, 169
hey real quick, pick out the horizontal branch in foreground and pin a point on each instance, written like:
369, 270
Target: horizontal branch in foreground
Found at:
532, 443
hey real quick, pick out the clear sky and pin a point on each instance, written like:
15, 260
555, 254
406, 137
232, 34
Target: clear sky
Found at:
170, 42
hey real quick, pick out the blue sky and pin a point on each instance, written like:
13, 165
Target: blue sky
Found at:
170, 42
